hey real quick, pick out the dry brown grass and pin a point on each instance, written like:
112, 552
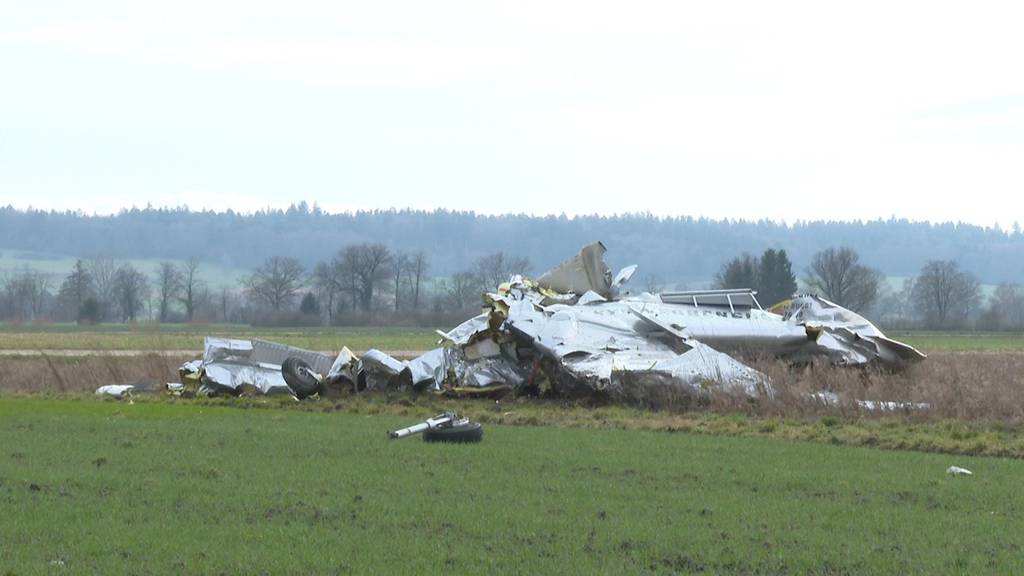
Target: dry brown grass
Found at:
970, 386
955, 385
76, 374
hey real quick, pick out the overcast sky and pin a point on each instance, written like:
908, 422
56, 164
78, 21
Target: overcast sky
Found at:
787, 111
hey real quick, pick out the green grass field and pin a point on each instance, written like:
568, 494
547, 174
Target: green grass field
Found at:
936, 341
88, 486
190, 337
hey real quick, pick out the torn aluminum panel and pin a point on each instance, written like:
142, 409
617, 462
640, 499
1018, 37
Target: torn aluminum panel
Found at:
230, 364
429, 370
345, 368
590, 297
380, 370
485, 348
584, 271
484, 376
846, 336
466, 332
191, 367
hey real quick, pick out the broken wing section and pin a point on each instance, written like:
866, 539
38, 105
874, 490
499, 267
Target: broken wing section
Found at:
847, 337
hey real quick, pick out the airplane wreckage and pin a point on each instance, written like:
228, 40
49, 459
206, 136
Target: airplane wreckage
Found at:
575, 331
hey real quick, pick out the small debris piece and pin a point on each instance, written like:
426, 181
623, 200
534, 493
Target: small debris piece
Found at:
115, 390
958, 471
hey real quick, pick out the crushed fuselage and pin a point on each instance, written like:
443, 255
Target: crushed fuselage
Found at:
577, 330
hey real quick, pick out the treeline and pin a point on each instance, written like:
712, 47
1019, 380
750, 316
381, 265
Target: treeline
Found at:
371, 283
678, 251
941, 296
360, 284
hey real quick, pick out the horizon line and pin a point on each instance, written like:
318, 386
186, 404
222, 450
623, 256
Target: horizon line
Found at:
315, 208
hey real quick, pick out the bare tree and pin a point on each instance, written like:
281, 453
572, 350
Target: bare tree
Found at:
462, 288
417, 269
130, 290
327, 280
168, 288
13, 297
227, 305
38, 285
837, 274
895, 308
1009, 300
103, 269
76, 287
399, 267
366, 265
191, 286
1006, 308
944, 295
276, 282
205, 305
24, 294
494, 269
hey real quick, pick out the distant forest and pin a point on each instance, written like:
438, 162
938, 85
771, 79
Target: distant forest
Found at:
676, 250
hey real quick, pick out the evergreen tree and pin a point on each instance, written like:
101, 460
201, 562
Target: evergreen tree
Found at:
740, 272
309, 305
777, 281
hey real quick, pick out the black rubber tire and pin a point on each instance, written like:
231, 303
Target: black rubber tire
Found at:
472, 432
298, 374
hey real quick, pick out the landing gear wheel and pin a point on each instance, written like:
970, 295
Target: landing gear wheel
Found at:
472, 432
298, 374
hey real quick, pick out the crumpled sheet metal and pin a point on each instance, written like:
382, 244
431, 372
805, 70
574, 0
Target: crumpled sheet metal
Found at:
584, 271
466, 332
345, 367
575, 328
429, 370
380, 369
265, 378
449, 369
229, 364
601, 339
599, 344
847, 337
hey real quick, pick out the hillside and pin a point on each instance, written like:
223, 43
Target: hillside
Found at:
679, 249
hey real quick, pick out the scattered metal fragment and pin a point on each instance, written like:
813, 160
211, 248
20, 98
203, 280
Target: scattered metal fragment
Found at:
958, 471
833, 399
116, 390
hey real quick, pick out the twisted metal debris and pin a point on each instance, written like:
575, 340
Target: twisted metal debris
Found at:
577, 330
